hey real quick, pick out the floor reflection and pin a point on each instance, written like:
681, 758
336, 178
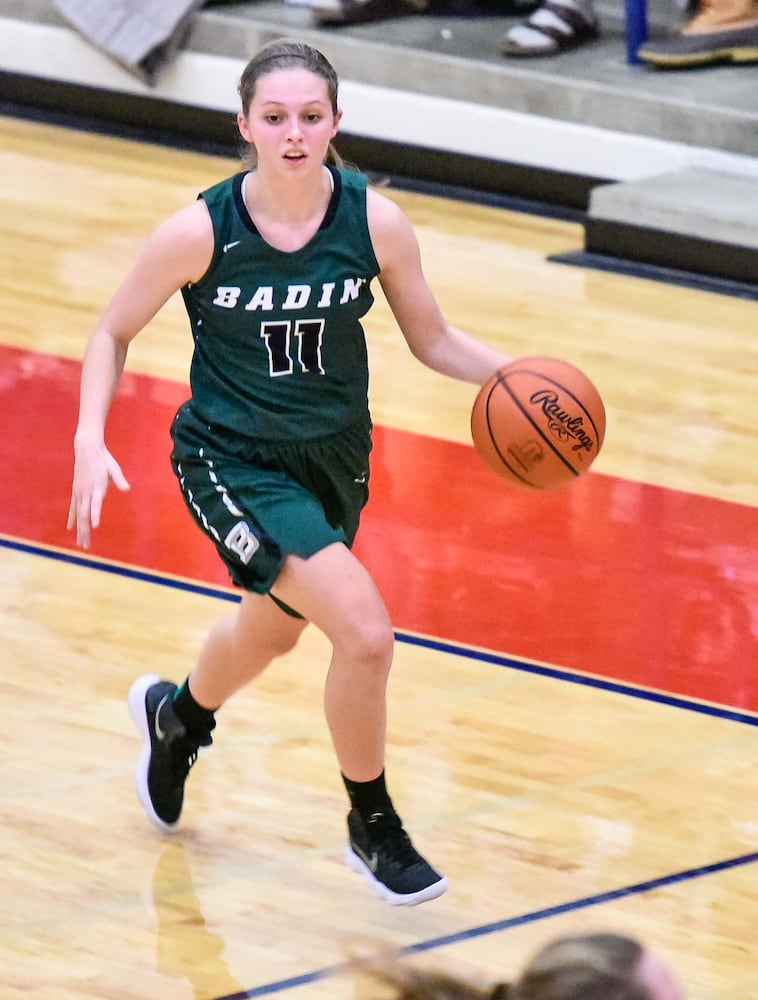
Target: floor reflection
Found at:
186, 948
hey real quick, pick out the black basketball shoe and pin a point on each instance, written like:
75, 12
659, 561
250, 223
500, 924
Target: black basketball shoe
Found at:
168, 750
381, 851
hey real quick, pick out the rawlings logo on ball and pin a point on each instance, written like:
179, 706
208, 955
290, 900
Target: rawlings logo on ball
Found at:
538, 422
560, 422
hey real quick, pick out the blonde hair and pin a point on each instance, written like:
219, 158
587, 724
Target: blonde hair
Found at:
408, 983
578, 967
583, 967
285, 53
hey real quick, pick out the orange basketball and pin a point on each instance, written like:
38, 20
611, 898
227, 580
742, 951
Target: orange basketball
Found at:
538, 422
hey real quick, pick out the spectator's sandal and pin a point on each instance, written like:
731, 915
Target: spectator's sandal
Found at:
556, 25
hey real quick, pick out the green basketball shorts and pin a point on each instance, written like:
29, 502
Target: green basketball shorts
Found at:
261, 501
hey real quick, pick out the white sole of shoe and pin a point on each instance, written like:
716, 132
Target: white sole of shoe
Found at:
355, 864
136, 702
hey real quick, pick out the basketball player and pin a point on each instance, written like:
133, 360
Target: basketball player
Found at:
272, 449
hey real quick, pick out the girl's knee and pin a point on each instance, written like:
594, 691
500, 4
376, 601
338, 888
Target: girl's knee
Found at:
370, 644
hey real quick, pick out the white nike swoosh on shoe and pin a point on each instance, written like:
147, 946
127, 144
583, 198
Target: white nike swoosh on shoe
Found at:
372, 862
158, 731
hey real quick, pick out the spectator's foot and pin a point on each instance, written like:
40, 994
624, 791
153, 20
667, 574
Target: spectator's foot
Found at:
556, 25
713, 36
334, 12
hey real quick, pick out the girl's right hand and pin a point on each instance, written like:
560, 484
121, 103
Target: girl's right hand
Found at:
94, 469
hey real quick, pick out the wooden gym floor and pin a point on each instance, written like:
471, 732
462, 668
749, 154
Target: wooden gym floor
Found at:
574, 702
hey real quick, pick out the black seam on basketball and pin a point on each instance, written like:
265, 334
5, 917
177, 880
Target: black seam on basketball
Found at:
514, 472
538, 429
529, 371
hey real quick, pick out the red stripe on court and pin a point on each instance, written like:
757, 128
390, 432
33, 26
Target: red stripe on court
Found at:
616, 578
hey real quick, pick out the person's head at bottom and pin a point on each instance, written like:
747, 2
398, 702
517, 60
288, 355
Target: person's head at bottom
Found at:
593, 967
599, 966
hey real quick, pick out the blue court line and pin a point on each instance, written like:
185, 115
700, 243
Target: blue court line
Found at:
561, 674
498, 659
61, 555
503, 925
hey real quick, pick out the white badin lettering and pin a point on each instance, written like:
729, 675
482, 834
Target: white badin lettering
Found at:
297, 296
262, 299
227, 296
326, 295
242, 542
265, 297
351, 289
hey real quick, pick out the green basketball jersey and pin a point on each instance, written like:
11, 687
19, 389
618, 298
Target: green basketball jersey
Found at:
280, 352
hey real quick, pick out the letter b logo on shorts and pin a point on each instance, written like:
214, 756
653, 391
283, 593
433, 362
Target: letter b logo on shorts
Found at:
242, 542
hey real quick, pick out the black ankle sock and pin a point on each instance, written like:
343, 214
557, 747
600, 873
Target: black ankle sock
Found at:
369, 796
195, 719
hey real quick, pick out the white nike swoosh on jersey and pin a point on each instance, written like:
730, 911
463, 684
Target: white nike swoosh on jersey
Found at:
228, 246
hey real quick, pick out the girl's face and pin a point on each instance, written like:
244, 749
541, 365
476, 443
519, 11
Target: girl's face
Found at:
290, 120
